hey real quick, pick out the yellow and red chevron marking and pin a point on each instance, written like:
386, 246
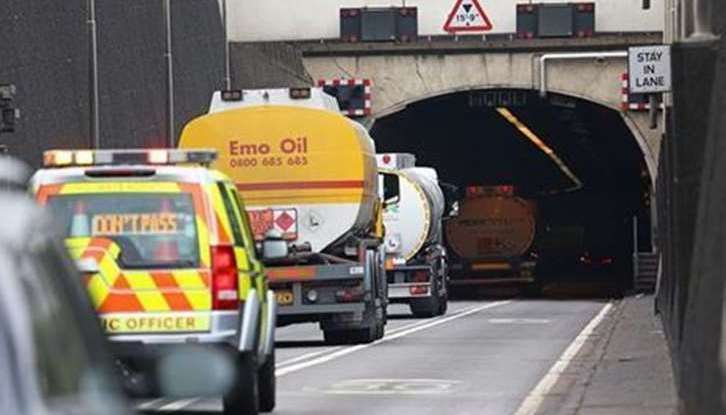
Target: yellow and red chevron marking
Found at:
115, 291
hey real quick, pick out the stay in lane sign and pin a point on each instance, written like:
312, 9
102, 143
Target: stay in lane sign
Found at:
649, 69
468, 16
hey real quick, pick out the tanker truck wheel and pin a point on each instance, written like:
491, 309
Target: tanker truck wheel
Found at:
443, 304
354, 336
426, 307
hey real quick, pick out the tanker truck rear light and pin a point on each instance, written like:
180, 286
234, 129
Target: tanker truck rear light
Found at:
350, 294
300, 93
419, 290
233, 95
503, 190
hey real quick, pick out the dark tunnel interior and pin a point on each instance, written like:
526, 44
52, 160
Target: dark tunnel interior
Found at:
468, 140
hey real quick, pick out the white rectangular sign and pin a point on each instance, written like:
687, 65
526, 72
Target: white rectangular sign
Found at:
649, 69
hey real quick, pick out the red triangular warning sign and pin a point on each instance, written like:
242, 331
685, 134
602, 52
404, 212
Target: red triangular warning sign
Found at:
468, 16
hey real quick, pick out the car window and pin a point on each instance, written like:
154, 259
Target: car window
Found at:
153, 230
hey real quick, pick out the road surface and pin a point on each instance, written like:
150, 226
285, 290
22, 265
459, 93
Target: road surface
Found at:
483, 357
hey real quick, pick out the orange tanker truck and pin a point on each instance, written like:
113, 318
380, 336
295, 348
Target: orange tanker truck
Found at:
491, 240
307, 175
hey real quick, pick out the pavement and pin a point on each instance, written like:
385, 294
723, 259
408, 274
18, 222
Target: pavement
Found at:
593, 356
624, 368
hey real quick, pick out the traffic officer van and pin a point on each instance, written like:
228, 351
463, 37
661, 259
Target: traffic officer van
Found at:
169, 261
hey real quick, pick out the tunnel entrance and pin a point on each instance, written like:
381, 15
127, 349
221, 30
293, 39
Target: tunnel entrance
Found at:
576, 160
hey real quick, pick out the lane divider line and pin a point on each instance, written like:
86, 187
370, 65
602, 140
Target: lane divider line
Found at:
388, 332
536, 397
306, 356
178, 405
393, 334
352, 349
150, 404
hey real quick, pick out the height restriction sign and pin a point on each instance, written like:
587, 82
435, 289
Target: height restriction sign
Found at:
468, 16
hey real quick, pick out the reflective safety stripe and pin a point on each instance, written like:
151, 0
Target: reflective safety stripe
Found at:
113, 290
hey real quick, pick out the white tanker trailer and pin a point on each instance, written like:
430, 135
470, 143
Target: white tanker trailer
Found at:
416, 260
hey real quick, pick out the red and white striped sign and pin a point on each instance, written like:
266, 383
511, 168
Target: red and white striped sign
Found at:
365, 110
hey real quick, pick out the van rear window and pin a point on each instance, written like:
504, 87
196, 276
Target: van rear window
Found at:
153, 230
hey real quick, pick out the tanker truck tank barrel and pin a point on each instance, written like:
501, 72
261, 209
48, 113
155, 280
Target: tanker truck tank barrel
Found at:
493, 235
416, 259
305, 170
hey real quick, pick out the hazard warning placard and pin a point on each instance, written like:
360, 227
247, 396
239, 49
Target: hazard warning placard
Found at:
468, 16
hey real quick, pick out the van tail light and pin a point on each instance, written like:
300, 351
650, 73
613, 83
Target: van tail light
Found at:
225, 294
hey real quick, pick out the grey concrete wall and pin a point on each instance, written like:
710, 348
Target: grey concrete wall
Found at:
267, 65
44, 53
402, 79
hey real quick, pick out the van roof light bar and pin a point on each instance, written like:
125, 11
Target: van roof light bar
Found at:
75, 158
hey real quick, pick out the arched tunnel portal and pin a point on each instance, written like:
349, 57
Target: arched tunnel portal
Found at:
581, 162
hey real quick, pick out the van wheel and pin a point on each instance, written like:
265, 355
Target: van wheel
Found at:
267, 384
244, 398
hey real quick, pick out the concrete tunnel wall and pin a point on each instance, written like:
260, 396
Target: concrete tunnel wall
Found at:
399, 80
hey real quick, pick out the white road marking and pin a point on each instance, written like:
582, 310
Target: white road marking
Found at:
534, 400
178, 405
392, 387
150, 404
332, 349
519, 321
306, 356
352, 349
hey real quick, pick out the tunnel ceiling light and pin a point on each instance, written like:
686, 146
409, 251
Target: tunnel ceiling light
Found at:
534, 139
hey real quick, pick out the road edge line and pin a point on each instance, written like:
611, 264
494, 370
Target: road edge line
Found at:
536, 396
331, 349
352, 349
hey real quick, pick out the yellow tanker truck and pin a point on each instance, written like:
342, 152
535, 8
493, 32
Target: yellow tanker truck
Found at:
308, 175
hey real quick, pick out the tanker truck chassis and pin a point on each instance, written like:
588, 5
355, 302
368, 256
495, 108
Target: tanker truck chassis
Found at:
485, 272
420, 284
347, 298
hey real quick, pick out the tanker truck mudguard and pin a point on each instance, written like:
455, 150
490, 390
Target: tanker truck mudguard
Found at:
416, 260
307, 175
491, 240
